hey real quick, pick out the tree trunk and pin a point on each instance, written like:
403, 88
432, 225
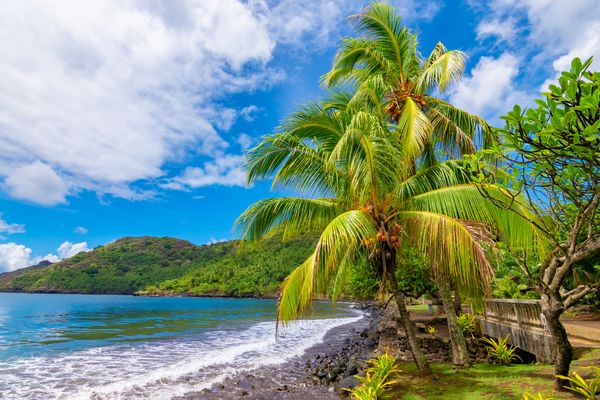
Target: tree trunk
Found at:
409, 326
460, 354
457, 302
552, 310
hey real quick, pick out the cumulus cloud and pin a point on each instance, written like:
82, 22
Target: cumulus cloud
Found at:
554, 31
8, 228
489, 90
82, 230
36, 182
503, 29
88, 104
110, 107
68, 249
14, 256
226, 170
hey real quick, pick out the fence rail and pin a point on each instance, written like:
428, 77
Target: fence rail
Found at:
523, 321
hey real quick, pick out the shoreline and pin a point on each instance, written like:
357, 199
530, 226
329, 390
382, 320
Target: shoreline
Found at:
319, 373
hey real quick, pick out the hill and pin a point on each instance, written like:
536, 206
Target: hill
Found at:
166, 266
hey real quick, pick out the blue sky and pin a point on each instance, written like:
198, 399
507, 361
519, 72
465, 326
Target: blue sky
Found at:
130, 118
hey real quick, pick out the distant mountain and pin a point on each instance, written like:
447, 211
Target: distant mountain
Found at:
166, 266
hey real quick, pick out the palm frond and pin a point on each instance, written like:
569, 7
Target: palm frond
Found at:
413, 128
448, 244
291, 215
442, 69
487, 204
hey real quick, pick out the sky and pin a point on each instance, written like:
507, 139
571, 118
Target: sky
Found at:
130, 118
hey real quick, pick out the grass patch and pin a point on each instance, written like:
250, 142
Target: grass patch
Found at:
484, 382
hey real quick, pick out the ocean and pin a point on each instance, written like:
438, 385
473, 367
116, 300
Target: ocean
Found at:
55, 346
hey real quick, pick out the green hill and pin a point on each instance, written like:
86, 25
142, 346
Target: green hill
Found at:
167, 266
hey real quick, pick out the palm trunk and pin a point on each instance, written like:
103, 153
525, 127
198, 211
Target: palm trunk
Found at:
552, 310
460, 354
457, 302
409, 326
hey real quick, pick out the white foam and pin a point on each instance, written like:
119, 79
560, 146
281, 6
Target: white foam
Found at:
162, 369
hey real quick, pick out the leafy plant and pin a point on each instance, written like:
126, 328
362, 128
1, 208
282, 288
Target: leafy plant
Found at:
501, 351
431, 330
538, 396
509, 288
467, 323
588, 388
377, 380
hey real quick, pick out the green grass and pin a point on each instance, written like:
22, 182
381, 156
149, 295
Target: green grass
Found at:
484, 382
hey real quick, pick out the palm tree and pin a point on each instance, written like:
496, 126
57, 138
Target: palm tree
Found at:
350, 169
386, 55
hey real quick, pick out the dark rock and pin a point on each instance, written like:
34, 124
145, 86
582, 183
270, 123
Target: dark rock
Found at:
350, 382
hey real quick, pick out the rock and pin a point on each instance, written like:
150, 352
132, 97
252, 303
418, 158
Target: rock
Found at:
350, 382
244, 393
331, 375
351, 368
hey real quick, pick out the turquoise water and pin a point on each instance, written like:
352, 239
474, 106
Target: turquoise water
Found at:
103, 347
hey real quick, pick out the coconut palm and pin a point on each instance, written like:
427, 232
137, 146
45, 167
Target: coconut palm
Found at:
386, 55
350, 170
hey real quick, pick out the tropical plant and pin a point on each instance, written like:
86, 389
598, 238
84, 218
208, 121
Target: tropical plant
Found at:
467, 323
501, 351
354, 172
552, 154
386, 56
377, 380
588, 388
508, 287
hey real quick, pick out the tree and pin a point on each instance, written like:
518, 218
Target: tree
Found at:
386, 55
352, 171
552, 153
385, 66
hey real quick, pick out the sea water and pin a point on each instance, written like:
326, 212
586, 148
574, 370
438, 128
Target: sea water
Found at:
55, 346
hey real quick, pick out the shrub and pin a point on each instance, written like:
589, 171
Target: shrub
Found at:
588, 388
377, 380
466, 322
431, 330
501, 351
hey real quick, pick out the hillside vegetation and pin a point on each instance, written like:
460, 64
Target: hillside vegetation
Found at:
167, 266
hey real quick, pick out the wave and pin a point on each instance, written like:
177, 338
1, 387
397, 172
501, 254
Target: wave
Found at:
161, 369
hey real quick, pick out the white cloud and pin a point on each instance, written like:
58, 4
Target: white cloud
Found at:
245, 141
36, 182
8, 228
68, 249
226, 170
489, 90
102, 95
249, 112
213, 240
82, 230
100, 105
504, 29
14, 256
553, 31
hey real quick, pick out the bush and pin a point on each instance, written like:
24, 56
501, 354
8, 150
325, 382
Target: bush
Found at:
588, 388
377, 380
467, 323
501, 351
